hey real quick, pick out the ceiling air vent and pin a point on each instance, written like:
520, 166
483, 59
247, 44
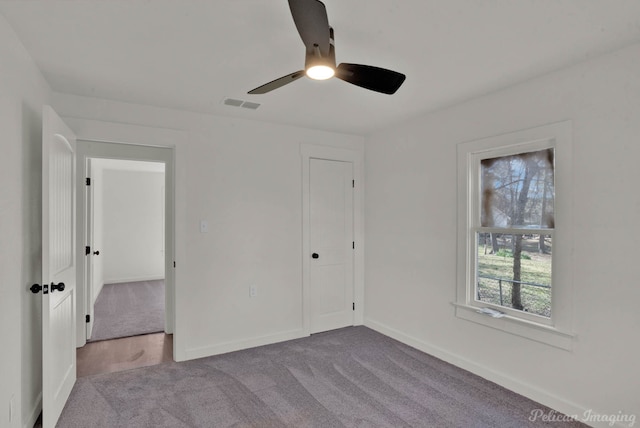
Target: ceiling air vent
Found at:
250, 105
232, 102
240, 103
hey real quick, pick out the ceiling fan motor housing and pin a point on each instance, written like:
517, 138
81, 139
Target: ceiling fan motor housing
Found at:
314, 57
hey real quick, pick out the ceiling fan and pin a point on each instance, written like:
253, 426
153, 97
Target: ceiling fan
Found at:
310, 17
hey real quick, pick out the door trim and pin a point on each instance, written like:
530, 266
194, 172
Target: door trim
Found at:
356, 157
177, 140
93, 150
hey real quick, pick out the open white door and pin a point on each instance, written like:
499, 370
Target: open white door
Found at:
58, 266
90, 251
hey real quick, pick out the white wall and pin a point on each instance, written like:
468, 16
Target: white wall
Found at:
411, 235
133, 226
10, 255
23, 91
245, 178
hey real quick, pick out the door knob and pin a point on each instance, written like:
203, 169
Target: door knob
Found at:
96, 253
35, 288
315, 255
59, 287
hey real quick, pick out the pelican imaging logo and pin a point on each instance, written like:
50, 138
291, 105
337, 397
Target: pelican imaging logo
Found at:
589, 416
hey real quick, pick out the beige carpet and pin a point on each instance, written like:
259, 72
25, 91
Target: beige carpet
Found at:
128, 309
353, 377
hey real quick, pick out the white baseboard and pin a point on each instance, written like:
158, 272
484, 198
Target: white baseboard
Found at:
133, 279
238, 345
36, 408
543, 397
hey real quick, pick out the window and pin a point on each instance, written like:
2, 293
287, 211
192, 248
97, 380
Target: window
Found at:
514, 233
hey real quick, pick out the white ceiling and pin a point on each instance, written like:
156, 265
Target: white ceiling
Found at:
190, 55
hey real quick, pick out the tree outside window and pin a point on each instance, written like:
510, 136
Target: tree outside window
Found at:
515, 234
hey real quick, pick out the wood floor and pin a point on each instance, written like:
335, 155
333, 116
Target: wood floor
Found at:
114, 355
108, 356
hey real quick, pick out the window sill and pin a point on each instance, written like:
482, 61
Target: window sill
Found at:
527, 329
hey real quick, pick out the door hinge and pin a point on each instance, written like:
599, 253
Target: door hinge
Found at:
88, 181
87, 318
174, 264
354, 306
353, 245
353, 183
87, 251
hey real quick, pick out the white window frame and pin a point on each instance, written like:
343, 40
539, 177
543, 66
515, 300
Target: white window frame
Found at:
557, 330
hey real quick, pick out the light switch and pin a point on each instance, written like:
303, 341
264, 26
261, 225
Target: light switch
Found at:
204, 226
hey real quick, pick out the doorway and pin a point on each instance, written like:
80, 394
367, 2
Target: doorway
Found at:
125, 248
126, 279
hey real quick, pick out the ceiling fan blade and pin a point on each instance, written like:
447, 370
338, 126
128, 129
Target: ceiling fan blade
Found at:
275, 84
310, 17
372, 78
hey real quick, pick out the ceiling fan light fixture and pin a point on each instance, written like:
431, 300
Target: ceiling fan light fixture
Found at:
310, 18
320, 72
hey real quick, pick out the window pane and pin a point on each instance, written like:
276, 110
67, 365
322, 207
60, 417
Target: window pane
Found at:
518, 190
523, 282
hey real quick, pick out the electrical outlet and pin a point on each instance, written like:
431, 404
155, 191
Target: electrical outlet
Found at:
253, 291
